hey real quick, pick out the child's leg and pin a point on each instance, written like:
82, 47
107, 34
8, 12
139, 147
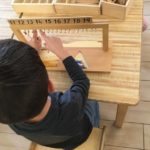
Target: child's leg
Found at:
92, 111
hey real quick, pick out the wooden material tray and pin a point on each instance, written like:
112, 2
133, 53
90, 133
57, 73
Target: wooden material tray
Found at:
94, 8
33, 6
116, 10
78, 8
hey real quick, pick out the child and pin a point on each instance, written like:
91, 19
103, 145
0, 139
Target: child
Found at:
54, 119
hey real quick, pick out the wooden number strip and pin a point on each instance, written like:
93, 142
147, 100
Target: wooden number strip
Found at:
47, 21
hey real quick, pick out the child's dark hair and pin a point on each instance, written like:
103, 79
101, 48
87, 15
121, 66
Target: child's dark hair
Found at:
23, 82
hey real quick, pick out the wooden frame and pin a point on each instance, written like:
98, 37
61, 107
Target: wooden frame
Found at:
102, 54
20, 24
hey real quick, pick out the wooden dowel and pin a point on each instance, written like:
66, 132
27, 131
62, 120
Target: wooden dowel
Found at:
105, 38
20, 16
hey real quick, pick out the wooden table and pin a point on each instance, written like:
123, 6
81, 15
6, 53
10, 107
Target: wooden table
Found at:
121, 86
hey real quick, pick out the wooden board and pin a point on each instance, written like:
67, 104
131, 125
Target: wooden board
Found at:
98, 58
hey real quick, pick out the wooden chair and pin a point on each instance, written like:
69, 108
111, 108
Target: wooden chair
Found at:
94, 142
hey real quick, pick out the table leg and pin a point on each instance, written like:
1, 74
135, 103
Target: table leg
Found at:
120, 115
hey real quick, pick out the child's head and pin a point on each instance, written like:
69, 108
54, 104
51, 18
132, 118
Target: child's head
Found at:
23, 82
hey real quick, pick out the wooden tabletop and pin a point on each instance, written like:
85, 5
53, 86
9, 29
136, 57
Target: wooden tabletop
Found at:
122, 84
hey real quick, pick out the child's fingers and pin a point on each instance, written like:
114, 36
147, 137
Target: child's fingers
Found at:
43, 35
39, 39
34, 34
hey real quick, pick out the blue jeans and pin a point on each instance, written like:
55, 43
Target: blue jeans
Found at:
92, 111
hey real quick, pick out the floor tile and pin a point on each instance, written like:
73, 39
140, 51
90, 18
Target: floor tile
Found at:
136, 114
147, 137
5, 128
117, 148
145, 70
139, 113
130, 135
145, 37
145, 52
146, 8
13, 140
145, 90
108, 111
12, 148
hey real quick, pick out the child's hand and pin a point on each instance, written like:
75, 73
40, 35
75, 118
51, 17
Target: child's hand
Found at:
54, 45
35, 41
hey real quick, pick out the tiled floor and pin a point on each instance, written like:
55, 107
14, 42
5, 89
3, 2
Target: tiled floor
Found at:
135, 134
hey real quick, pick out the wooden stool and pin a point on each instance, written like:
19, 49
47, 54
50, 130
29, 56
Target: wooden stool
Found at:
94, 142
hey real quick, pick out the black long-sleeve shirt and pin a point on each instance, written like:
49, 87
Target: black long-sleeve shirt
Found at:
66, 124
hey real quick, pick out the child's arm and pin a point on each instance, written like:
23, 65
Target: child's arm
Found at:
78, 92
81, 84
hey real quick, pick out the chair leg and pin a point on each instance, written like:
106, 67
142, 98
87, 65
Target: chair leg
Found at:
32, 146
